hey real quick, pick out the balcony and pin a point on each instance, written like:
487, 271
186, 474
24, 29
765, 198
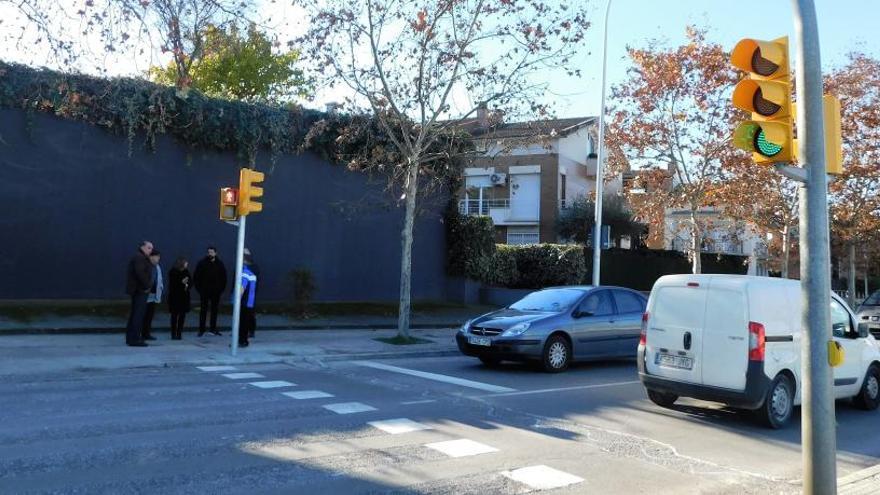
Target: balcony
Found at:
503, 211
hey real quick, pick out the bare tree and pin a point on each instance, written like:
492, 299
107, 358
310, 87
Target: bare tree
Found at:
422, 69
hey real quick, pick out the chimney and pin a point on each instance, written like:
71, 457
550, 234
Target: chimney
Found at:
483, 115
331, 107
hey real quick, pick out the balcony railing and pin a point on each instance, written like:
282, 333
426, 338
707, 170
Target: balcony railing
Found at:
717, 247
477, 207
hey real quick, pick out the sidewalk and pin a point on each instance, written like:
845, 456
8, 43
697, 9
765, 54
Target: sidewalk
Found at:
35, 354
83, 323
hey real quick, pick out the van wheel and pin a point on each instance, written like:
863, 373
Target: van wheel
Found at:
490, 361
557, 354
662, 399
869, 397
778, 404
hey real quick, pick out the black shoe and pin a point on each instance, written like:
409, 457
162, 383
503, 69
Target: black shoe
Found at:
138, 344
243, 345
149, 337
215, 332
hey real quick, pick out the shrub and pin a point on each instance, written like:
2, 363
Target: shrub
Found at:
470, 245
544, 265
503, 271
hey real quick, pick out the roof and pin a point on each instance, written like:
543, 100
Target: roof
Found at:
540, 128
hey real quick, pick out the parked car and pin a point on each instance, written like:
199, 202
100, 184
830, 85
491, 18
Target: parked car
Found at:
558, 325
737, 340
869, 312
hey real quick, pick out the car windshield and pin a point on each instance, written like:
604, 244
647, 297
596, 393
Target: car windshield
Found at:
874, 300
550, 300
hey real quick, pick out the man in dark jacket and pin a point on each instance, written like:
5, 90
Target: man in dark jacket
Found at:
210, 282
139, 280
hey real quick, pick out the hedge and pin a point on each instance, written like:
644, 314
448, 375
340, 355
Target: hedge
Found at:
539, 265
470, 246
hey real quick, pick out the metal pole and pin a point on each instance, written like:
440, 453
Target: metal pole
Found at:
236, 290
818, 422
851, 283
600, 161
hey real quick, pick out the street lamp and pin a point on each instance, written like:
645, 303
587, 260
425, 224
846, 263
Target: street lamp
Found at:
600, 160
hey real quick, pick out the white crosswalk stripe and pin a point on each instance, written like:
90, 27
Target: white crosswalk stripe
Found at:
243, 376
307, 394
273, 384
398, 426
217, 368
542, 477
461, 448
349, 408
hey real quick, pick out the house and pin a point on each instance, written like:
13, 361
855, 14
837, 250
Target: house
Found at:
527, 172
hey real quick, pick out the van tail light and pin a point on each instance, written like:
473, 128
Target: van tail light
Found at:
757, 341
643, 338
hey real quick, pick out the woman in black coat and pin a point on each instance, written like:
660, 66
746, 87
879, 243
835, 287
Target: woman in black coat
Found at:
179, 283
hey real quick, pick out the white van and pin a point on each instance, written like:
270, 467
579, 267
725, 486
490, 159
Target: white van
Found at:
737, 340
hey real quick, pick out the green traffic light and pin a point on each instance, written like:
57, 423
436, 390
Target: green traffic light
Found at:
765, 147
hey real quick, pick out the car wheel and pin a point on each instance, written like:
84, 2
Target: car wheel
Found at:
662, 399
778, 404
490, 361
557, 354
869, 397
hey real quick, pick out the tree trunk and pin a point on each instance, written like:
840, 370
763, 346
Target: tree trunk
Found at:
867, 270
851, 283
786, 250
696, 238
412, 188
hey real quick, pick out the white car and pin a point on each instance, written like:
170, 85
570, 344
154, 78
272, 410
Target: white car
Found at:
737, 340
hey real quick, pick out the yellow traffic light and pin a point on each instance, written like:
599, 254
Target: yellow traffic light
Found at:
228, 202
249, 191
766, 94
833, 140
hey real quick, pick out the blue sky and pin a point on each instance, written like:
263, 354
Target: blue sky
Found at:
844, 26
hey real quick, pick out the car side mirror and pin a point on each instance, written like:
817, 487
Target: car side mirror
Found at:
863, 330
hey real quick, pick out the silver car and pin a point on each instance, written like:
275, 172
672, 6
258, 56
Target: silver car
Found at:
869, 312
558, 325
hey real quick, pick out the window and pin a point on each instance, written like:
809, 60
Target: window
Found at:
597, 304
562, 188
551, 300
627, 302
841, 326
523, 235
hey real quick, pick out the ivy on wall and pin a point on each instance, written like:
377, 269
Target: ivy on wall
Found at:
135, 107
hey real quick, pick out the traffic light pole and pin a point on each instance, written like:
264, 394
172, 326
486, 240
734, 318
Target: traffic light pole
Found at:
236, 290
818, 434
600, 163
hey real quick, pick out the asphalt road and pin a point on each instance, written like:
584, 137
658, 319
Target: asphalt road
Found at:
419, 425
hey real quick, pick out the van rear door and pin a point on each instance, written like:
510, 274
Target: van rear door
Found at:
726, 335
676, 313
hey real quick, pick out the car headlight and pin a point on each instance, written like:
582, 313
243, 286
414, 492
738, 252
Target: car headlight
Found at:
464, 328
515, 330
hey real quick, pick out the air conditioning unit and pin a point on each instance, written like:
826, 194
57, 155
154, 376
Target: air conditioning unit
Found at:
498, 179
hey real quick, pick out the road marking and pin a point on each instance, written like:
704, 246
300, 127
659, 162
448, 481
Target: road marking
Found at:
349, 408
273, 384
542, 477
412, 402
563, 389
461, 448
398, 426
307, 394
436, 377
243, 376
217, 368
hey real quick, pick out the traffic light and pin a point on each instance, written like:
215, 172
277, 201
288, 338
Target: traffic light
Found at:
833, 140
766, 93
249, 191
228, 202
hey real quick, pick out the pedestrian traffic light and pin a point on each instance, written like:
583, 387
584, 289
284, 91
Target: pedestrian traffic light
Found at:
249, 191
833, 140
228, 203
766, 94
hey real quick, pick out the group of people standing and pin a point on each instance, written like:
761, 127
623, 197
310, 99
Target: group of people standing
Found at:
146, 285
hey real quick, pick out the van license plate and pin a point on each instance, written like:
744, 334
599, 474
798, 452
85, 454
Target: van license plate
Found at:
479, 341
679, 362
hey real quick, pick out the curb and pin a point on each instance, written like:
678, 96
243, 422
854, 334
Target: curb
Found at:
384, 355
119, 330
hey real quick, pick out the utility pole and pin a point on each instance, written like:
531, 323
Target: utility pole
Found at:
236, 290
818, 434
600, 162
